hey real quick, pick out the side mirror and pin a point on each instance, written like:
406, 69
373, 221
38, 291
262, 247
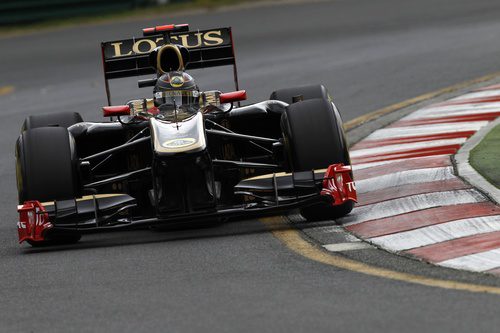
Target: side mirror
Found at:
231, 97
115, 111
215, 100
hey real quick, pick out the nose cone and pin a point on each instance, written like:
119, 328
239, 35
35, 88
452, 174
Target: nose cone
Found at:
174, 138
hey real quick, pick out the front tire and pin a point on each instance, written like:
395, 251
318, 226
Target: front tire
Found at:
287, 95
46, 165
314, 139
46, 170
58, 119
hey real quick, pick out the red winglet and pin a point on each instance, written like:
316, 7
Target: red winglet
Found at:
148, 31
165, 27
235, 96
117, 110
162, 28
33, 221
338, 184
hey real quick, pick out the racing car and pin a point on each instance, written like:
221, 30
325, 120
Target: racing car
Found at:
182, 155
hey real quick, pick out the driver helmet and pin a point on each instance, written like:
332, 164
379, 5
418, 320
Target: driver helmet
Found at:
176, 95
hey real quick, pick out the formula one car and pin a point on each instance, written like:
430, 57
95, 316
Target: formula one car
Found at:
183, 156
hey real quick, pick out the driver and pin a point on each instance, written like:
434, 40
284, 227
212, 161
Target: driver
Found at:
176, 96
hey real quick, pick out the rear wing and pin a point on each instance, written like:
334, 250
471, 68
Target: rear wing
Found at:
130, 57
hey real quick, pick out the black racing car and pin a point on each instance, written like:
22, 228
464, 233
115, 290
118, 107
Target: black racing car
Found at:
183, 156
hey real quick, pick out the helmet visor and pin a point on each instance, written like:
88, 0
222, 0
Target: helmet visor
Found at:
177, 105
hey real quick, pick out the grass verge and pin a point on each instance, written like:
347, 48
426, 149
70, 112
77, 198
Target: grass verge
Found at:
485, 157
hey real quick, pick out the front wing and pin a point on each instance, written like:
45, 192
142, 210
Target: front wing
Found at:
263, 195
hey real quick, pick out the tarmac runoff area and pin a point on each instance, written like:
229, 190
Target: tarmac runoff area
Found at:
411, 199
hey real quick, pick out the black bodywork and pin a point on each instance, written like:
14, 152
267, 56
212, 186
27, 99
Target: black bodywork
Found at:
181, 187
124, 183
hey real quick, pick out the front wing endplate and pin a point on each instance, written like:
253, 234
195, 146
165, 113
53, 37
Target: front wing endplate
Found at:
33, 222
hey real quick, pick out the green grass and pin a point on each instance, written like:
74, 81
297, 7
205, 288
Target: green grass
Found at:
125, 14
485, 157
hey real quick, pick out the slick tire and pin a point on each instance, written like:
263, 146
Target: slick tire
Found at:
314, 139
46, 165
305, 92
59, 119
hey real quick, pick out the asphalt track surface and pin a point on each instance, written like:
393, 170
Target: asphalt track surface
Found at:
238, 277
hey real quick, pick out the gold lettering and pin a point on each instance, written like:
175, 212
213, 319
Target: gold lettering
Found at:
137, 46
118, 50
158, 40
211, 38
185, 41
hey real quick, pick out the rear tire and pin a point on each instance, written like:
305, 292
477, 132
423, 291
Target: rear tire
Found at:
59, 119
321, 212
314, 139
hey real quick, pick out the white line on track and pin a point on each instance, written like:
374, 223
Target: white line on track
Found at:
404, 178
405, 147
455, 111
438, 233
456, 107
410, 204
442, 110
407, 131
478, 94
328, 229
341, 247
478, 262
362, 166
